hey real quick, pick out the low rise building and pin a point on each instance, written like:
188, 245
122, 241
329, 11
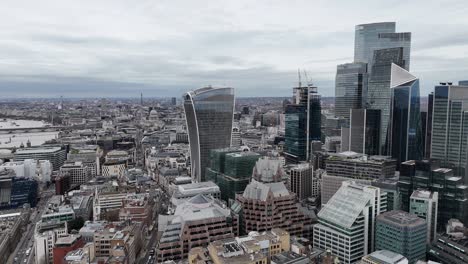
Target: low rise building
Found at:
195, 223
402, 233
384, 257
66, 244
264, 206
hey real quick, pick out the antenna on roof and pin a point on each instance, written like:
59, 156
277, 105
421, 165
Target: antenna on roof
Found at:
299, 75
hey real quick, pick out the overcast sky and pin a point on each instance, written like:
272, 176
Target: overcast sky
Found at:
115, 48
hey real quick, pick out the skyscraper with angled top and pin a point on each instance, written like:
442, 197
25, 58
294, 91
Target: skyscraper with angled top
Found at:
209, 113
405, 130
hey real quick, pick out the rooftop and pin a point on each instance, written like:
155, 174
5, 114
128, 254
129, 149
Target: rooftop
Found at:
401, 218
385, 256
346, 205
38, 150
259, 191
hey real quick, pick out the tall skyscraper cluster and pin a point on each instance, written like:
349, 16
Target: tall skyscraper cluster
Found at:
401, 175
378, 96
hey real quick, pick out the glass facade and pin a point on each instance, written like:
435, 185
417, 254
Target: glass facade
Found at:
379, 93
426, 174
209, 114
402, 233
350, 84
302, 123
364, 131
406, 135
378, 45
450, 128
378, 36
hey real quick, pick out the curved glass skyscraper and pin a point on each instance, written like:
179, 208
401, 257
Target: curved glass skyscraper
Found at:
209, 113
406, 130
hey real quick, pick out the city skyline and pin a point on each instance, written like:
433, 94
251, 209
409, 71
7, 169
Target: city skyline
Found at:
163, 49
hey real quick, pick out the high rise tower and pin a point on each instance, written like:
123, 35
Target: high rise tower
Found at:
209, 114
350, 86
405, 132
450, 127
303, 122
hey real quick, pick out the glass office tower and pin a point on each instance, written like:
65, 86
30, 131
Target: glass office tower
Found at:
302, 123
405, 127
209, 114
379, 46
450, 127
377, 36
363, 132
350, 84
379, 93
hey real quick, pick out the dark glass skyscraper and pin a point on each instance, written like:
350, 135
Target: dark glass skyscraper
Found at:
350, 83
303, 123
209, 114
362, 135
379, 46
428, 137
405, 127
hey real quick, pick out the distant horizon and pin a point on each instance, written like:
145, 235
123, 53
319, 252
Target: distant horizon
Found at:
96, 48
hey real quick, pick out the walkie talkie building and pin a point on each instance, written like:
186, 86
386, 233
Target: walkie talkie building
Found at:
209, 114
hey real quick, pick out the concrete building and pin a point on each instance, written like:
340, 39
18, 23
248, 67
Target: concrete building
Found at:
195, 223
359, 166
45, 236
113, 240
137, 208
264, 206
10, 232
56, 155
402, 233
451, 246
255, 248
300, 180
184, 192
331, 184
384, 257
81, 255
63, 245
269, 169
114, 168
425, 204
347, 222
236, 137
88, 155
78, 172
105, 204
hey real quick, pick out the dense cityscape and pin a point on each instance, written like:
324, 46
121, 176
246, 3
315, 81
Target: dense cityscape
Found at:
376, 174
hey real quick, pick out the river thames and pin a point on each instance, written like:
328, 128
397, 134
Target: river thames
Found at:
15, 140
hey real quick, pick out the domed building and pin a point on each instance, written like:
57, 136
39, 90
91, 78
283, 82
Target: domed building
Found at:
153, 116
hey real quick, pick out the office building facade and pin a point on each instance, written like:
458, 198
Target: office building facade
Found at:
350, 83
300, 180
302, 123
347, 222
56, 155
405, 125
425, 204
264, 206
450, 127
363, 133
209, 113
379, 46
402, 233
